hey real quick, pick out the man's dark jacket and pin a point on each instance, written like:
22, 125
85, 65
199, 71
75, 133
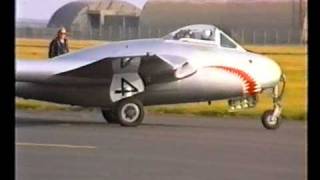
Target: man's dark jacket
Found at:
57, 48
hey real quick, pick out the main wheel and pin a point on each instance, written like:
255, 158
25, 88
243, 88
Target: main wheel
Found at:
109, 116
268, 122
129, 112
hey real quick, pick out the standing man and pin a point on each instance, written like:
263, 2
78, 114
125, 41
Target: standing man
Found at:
59, 45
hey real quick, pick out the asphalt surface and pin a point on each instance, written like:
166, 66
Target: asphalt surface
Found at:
80, 145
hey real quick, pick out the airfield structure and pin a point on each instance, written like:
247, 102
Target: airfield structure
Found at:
97, 19
248, 21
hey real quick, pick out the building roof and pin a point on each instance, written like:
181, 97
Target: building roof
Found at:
112, 7
249, 14
66, 15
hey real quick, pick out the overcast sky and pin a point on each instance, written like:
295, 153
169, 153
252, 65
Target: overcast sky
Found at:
44, 9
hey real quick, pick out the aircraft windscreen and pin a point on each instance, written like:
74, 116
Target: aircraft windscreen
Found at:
225, 42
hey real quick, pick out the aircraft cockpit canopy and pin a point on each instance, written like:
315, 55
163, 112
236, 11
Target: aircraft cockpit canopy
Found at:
202, 33
206, 34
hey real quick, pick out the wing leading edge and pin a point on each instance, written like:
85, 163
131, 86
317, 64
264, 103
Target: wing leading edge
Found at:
159, 66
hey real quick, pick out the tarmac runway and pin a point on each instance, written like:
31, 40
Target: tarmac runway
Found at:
59, 145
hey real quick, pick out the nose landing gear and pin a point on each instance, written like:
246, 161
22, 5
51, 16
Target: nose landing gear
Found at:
271, 119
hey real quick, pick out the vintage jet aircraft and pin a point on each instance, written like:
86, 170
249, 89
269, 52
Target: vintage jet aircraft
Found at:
192, 64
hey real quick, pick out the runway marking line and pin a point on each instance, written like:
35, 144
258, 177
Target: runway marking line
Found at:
56, 145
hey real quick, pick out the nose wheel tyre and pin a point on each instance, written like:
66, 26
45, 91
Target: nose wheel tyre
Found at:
109, 116
271, 118
270, 122
129, 112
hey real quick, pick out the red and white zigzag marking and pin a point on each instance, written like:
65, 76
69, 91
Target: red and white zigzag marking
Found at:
251, 87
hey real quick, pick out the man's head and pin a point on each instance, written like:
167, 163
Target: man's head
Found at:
206, 34
62, 33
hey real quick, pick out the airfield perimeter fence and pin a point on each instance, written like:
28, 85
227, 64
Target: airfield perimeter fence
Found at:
243, 36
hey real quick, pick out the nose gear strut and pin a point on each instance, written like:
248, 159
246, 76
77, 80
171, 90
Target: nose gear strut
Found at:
271, 118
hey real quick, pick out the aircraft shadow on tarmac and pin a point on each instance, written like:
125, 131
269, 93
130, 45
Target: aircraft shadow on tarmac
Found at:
23, 122
27, 122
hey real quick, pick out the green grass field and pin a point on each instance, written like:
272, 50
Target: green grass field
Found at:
292, 59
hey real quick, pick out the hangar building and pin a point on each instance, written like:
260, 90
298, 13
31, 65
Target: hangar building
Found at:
281, 19
97, 18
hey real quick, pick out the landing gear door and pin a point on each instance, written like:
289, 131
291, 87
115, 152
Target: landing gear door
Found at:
126, 81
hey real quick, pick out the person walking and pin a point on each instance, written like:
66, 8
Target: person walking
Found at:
59, 45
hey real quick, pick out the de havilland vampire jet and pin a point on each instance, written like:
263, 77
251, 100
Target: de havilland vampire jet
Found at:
192, 64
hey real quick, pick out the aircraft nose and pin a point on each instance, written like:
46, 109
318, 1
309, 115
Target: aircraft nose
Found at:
269, 73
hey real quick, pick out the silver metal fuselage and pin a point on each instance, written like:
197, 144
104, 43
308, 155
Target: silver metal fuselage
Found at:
221, 73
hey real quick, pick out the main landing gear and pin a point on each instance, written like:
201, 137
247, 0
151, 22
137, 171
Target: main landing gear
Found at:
271, 119
127, 112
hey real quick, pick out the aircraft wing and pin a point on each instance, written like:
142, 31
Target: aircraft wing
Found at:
154, 68
123, 76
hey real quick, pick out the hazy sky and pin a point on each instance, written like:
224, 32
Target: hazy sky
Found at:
44, 9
